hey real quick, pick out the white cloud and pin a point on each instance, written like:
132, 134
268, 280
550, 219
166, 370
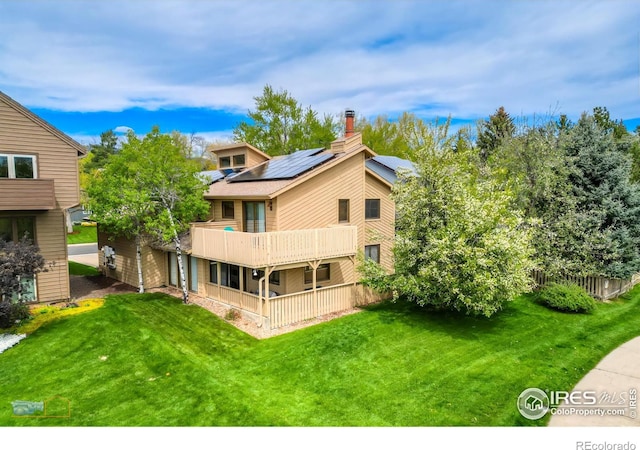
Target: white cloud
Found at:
460, 58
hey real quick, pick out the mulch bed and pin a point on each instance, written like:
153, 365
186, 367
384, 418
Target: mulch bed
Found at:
96, 287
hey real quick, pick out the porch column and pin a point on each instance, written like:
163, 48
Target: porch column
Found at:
314, 265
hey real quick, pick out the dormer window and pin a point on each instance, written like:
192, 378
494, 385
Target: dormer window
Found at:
17, 166
238, 160
225, 162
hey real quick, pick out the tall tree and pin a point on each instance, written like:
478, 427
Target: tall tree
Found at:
406, 135
280, 125
100, 153
459, 244
493, 131
607, 202
118, 202
170, 180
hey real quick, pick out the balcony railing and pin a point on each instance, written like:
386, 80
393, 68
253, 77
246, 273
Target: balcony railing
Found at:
257, 250
26, 194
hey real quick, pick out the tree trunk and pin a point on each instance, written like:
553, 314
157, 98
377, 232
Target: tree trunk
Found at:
139, 264
176, 240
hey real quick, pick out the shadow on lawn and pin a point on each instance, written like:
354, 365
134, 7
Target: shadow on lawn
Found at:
452, 322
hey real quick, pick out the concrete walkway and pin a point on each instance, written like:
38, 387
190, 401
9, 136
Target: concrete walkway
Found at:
86, 254
615, 381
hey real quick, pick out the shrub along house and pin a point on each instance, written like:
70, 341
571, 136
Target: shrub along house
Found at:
283, 233
38, 184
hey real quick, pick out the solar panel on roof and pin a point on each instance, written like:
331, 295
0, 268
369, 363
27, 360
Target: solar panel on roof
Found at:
394, 163
284, 167
212, 175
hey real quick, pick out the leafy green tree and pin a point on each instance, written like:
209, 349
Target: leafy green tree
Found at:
493, 131
459, 244
171, 183
405, 136
280, 125
118, 201
150, 190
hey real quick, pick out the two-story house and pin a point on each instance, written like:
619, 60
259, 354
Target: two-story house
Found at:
38, 184
283, 233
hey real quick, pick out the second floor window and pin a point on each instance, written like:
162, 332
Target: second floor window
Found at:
343, 210
17, 166
372, 208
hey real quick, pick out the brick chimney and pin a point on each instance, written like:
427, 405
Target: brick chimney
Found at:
350, 115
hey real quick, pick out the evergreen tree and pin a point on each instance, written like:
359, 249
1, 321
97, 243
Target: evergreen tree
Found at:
607, 202
493, 131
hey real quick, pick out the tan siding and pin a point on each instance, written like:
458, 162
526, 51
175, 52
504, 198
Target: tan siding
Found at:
314, 203
381, 231
55, 158
339, 272
153, 262
51, 239
236, 222
54, 284
271, 215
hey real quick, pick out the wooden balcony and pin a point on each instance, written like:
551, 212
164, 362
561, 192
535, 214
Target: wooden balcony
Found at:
257, 250
22, 194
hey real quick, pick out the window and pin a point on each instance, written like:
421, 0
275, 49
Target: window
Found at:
225, 161
238, 160
343, 210
227, 210
274, 278
372, 208
230, 275
17, 166
213, 272
15, 228
322, 274
372, 252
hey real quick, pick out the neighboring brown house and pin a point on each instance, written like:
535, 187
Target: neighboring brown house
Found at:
283, 233
38, 184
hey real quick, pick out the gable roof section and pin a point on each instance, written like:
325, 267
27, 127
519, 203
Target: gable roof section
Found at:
43, 123
272, 187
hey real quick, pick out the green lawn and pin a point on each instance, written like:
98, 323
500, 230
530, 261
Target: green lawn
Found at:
82, 235
82, 269
148, 360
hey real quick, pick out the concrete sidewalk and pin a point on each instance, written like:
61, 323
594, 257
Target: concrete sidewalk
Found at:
87, 260
618, 374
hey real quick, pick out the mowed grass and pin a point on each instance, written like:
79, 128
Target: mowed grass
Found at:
148, 360
83, 235
82, 269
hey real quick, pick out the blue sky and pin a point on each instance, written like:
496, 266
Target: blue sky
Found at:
195, 66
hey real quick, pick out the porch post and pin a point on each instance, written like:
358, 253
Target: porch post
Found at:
314, 265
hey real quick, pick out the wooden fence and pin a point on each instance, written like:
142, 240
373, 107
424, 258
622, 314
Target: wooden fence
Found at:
599, 287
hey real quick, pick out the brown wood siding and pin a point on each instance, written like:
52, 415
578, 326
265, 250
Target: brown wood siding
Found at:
381, 231
27, 194
153, 262
51, 238
56, 159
